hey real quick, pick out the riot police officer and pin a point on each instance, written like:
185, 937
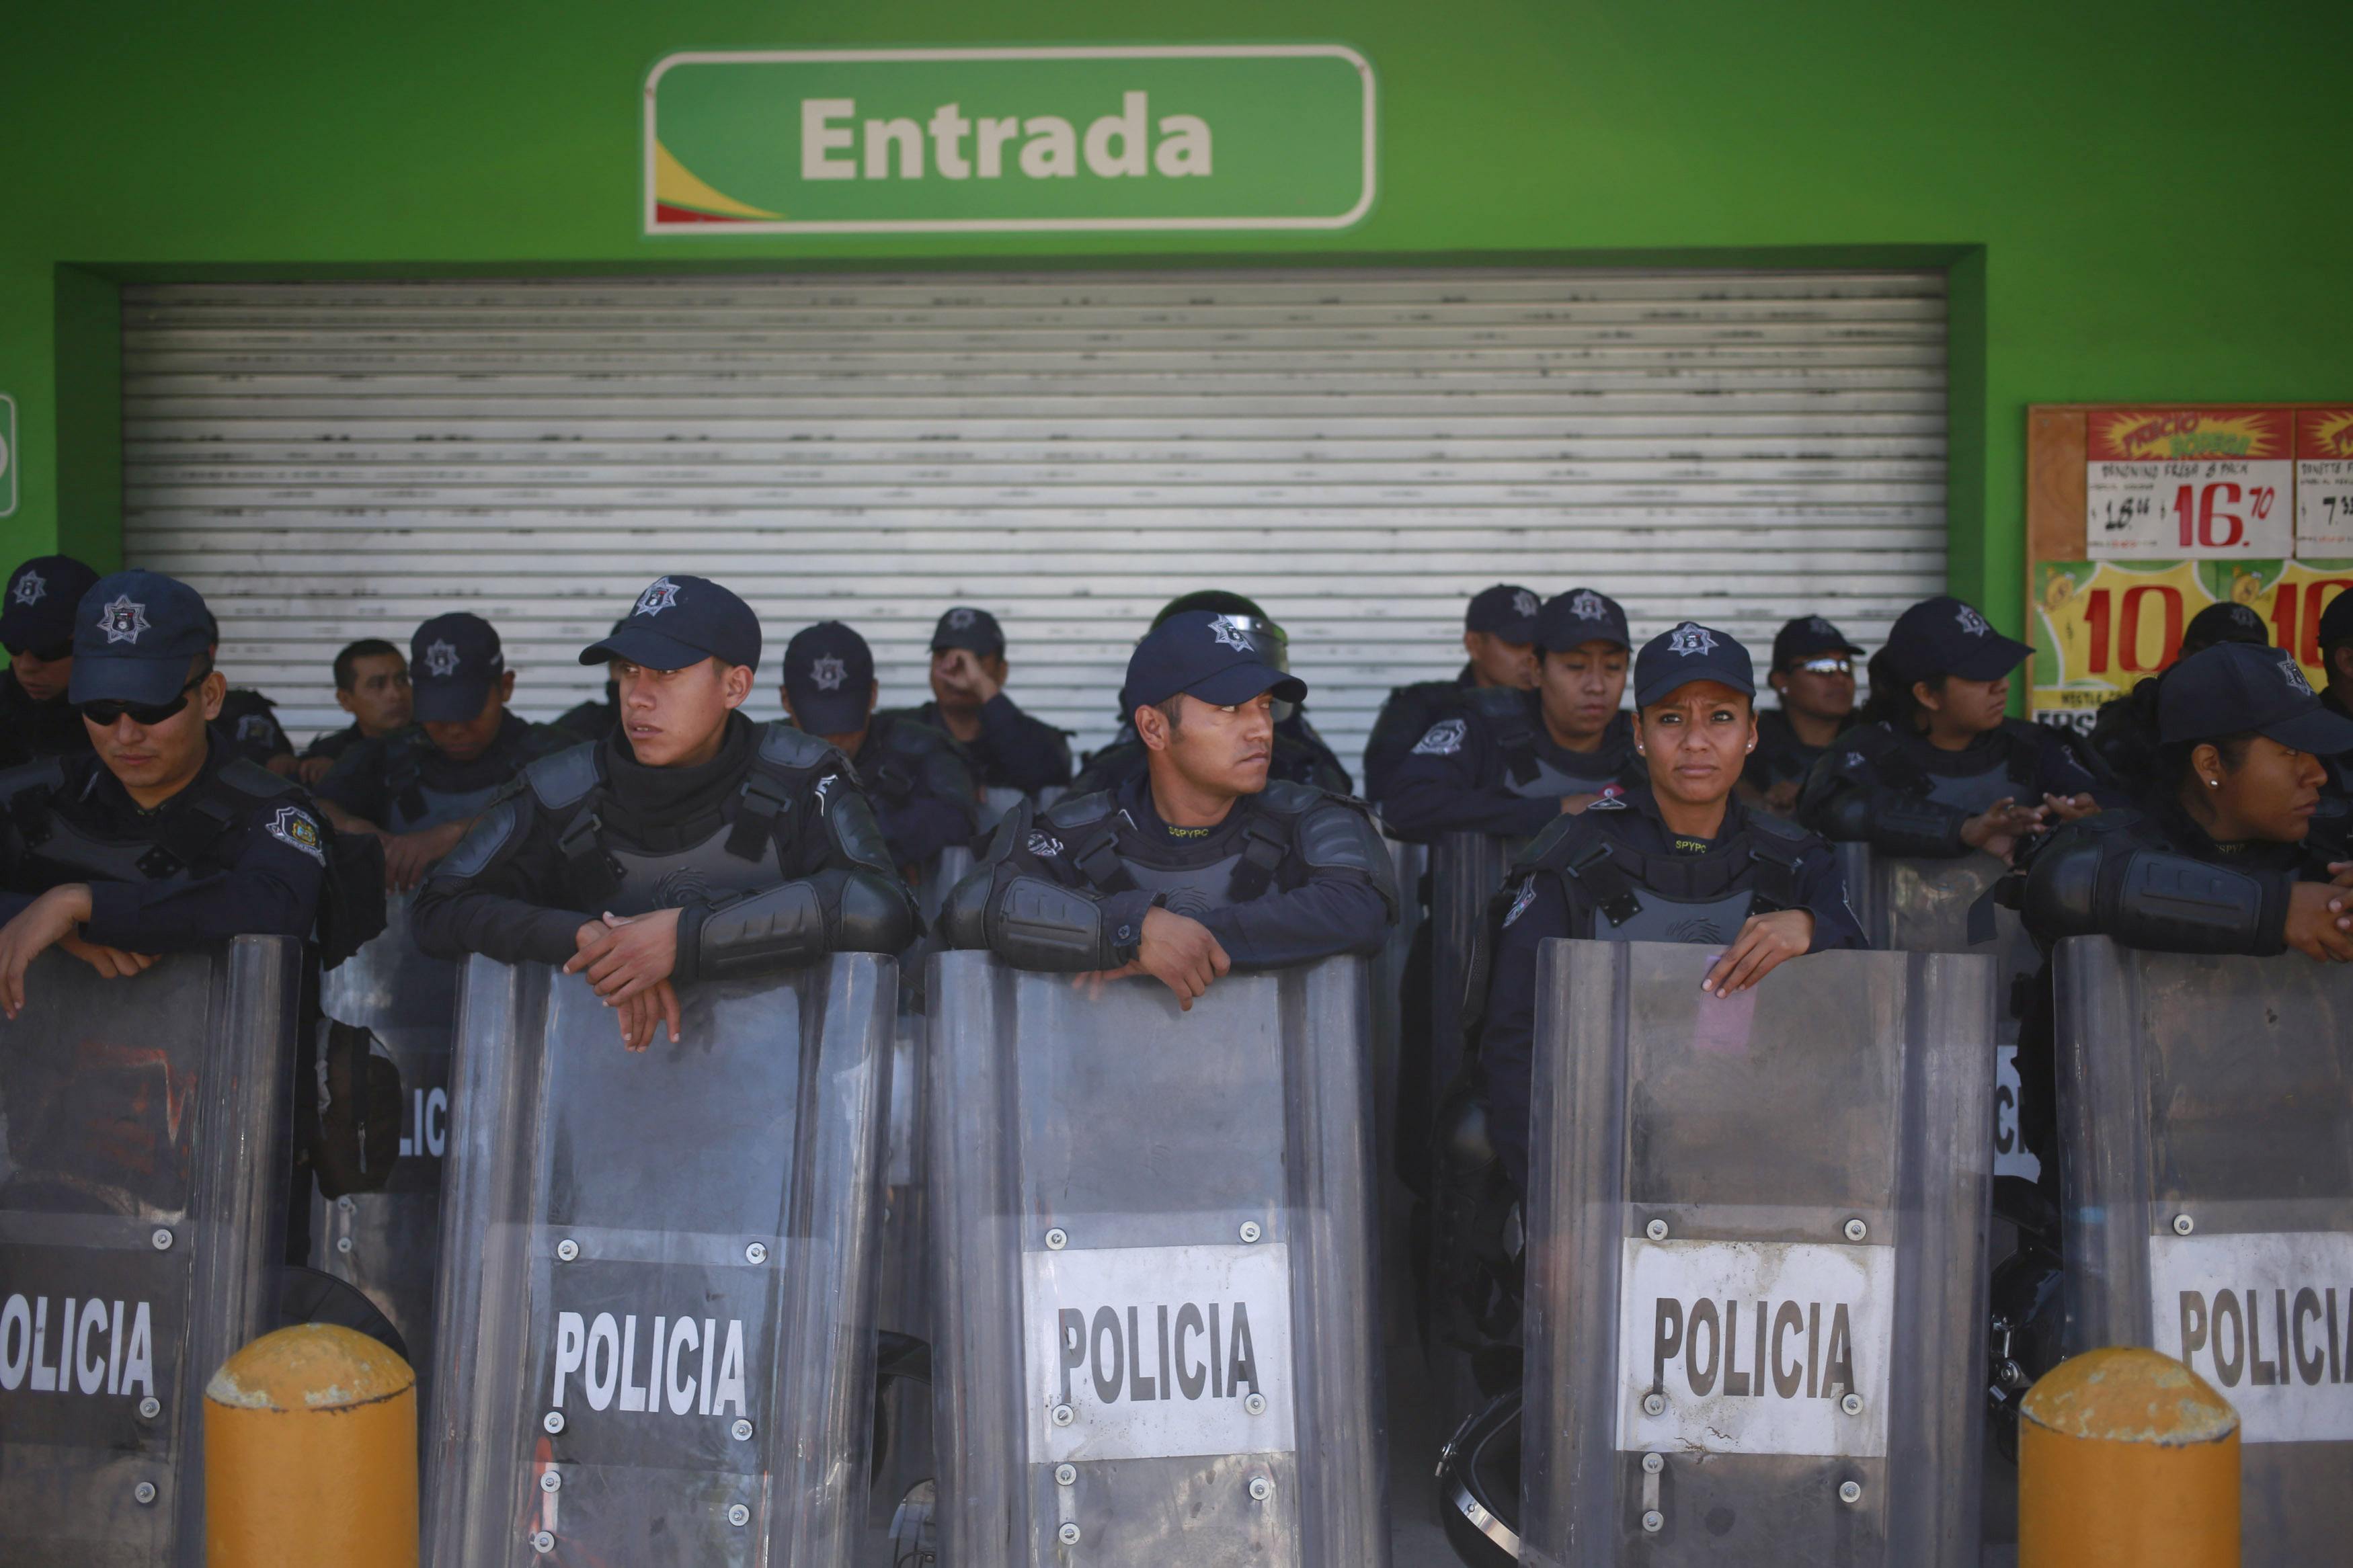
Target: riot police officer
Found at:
1202, 863
1936, 769
2333, 822
688, 844
1514, 760
1301, 755
1677, 859
420, 788
922, 792
1499, 634
248, 721
160, 839
1813, 672
37, 627
372, 686
1004, 747
2124, 738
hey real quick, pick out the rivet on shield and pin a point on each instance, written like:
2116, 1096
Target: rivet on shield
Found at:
1856, 1230
1652, 1464
738, 1515
741, 1431
543, 1540
2183, 1225
1852, 1403
1656, 1230
1849, 1491
1066, 1474
1654, 1405
756, 1253
549, 1481
553, 1420
1261, 1489
1654, 1521
345, 1203
1056, 1239
1068, 1534
1250, 1231
1063, 1415
344, 1245
566, 1250
161, 1238
150, 1408
1255, 1403
144, 1491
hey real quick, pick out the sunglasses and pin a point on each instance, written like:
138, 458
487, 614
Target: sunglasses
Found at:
1825, 665
105, 711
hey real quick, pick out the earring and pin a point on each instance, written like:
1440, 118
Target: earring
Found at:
2213, 783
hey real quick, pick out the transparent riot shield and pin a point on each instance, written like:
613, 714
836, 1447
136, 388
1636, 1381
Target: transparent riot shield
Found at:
655, 1320
386, 1243
1924, 906
1756, 1261
142, 1171
1466, 869
1153, 1247
2205, 1117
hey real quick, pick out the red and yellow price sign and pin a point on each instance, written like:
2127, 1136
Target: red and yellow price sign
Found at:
2173, 484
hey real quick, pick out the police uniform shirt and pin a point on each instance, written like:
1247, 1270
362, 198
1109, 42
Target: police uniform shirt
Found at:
239, 852
1406, 716
249, 720
1460, 777
922, 791
1013, 750
401, 781
1326, 881
1301, 756
1539, 908
30, 729
1779, 756
1905, 795
518, 887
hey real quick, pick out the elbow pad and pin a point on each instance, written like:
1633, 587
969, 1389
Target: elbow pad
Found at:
875, 914
1342, 838
1922, 828
778, 928
964, 914
1032, 923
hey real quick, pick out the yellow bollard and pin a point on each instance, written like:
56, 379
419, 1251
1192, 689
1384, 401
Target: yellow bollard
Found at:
311, 1454
2127, 1458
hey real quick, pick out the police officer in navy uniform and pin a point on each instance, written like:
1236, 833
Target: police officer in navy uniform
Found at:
923, 793
249, 721
1813, 673
689, 844
1499, 634
2124, 739
1202, 865
37, 627
420, 788
1936, 769
1677, 859
372, 686
1003, 747
1301, 755
2334, 822
1514, 760
160, 839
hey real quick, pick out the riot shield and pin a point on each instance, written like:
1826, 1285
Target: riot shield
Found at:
1924, 906
1152, 1240
1756, 1275
2206, 1111
1466, 869
142, 1170
655, 1318
386, 1243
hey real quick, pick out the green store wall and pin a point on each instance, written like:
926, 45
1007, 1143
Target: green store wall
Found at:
2137, 201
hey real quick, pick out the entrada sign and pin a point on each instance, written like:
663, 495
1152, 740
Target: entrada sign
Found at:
938, 140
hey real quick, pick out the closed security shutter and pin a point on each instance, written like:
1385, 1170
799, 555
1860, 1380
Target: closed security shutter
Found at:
1357, 450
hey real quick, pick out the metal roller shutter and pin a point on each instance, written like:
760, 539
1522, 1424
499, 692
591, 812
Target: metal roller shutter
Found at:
1359, 450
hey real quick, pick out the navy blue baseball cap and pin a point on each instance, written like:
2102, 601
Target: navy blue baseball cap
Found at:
679, 621
37, 615
1219, 658
1944, 635
1506, 610
1691, 652
2227, 622
135, 636
829, 679
1806, 636
967, 627
1580, 617
2233, 688
2336, 624
453, 662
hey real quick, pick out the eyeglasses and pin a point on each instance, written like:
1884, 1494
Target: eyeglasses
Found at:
1825, 665
105, 711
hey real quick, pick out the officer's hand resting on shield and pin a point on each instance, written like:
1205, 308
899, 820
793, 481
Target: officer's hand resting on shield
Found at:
1998, 828
629, 960
1177, 949
55, 920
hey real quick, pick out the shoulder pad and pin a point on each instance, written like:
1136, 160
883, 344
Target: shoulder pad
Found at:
1337, 830
1493, 701
911, 737
785, 746
246, 697
1552, 847
1779, 827
1284, 798
566, 777
500, 822
253, 779
1081, 810
48, 774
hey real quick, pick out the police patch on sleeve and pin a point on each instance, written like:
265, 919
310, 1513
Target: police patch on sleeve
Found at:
296, 826
1444, 738
1526, 896
1044, 844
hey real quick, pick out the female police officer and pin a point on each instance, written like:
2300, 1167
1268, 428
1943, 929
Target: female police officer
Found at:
1936, 769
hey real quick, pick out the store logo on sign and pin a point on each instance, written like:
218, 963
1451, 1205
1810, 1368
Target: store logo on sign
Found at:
932, 140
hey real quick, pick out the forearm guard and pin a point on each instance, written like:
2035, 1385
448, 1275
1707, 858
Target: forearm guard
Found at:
2151, 899
1890, 822
1031, 924
794, 923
